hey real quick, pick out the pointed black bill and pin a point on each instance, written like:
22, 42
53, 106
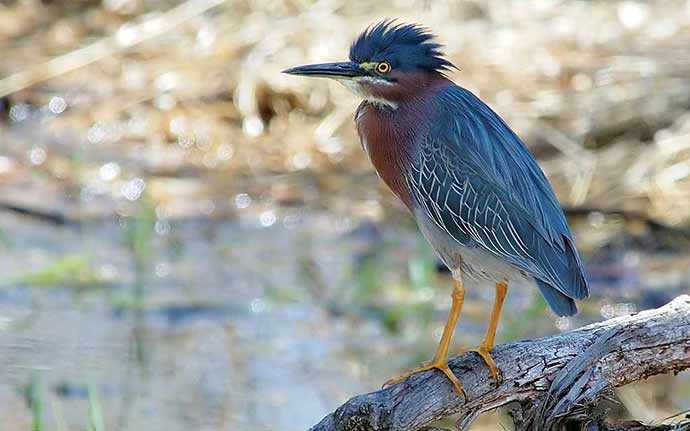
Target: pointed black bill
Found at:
343, 69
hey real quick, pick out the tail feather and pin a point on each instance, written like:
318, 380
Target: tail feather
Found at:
559, 303
578, 282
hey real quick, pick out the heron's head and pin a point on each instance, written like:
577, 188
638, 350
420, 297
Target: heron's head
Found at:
388, 62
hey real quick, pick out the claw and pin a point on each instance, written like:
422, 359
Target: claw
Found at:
489, 361
442, 366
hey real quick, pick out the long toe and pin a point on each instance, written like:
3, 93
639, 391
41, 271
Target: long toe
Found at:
486, 356
404, 376
454, 380
442, 366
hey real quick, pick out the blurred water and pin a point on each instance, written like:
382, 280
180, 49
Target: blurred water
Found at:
239, 327
208, 350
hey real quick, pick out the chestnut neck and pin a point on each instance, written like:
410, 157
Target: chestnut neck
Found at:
390, 135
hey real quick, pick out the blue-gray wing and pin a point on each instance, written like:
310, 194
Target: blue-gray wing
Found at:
478, 182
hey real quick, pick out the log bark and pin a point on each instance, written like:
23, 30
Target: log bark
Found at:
550, 382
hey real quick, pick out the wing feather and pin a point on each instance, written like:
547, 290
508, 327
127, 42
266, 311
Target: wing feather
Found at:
478, 182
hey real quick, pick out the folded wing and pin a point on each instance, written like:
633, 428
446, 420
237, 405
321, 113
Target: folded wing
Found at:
478, 182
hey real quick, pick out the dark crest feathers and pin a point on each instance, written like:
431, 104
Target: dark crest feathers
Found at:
405, 46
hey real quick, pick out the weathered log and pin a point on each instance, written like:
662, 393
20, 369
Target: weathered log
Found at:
549, 381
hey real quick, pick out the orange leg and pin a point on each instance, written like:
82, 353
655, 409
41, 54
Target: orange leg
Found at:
484, 349
440, 361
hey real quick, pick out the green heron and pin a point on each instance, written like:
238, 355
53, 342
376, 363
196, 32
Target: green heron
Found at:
475, 190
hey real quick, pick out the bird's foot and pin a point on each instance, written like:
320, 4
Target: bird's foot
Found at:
439, 365
485, 354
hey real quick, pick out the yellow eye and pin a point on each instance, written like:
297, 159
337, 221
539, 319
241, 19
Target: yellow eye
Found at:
383, 67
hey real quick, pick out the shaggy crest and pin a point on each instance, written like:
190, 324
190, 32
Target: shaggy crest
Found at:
404, 46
